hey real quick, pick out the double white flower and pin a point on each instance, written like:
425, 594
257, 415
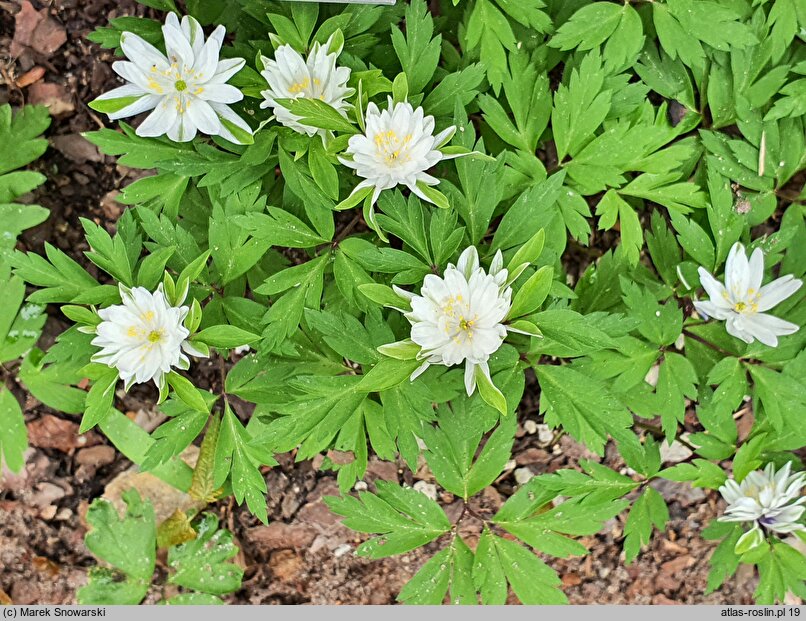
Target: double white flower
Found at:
771, 500
144, 337
459, 317
741, 301
292, 77
397, 148
187, 90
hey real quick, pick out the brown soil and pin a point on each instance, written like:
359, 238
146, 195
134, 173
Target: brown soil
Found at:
304, 555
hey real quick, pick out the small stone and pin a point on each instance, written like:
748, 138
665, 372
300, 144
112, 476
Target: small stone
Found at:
544, 433
279, 535
165, 498
54, 433
530, 427
110, 206
532, 455
342, 550
361, 486
46, 494
76, 148
661, 600
48, 513
572, 579
427, 489
30, 77
36, 30
523, 475
675, 453
286, 565
652, 375
96, 456
379, 469
55, 96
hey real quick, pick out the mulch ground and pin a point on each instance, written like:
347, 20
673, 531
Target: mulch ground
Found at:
304, 555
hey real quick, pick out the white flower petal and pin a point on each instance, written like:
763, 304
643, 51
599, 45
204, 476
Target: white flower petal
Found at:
143, 337
187, 90
777, 291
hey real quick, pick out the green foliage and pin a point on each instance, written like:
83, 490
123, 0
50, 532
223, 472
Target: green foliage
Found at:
20, 323
608, 151
128, 547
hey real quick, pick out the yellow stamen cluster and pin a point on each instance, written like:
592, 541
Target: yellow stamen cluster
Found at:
300, 87
746, 307
465, 325
391, 147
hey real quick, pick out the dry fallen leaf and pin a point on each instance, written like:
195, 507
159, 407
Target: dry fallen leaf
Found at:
36, 30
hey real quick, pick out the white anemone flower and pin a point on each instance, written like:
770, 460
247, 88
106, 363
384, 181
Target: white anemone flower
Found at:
770, 500
143, 337
397, 148
187, 90
741, 301
291, 77
459, 317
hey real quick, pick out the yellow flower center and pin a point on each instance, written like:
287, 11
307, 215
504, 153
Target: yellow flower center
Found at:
392, 148
181, 85
299, 87
155, 336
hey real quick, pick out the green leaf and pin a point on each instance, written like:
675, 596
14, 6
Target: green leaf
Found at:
462, 85
581, 106
589, 27
100, 399
129, 545
490, 393
22, 130
532, 294
451, 568
201, 564
500, 561
490, 31
648, 510
240, 459
677, 381
701, 473
516, 227
388, 373
527, 516
660, 324
225, 337
317, 113
418, 51
404, 518
611, 208
568, 333
174, 436
187, 392
59, 278
14, 437
781, 570
584, 406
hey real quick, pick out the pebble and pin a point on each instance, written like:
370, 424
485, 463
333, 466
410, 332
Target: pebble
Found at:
427, 489
544, 434
523, 475
101, 455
